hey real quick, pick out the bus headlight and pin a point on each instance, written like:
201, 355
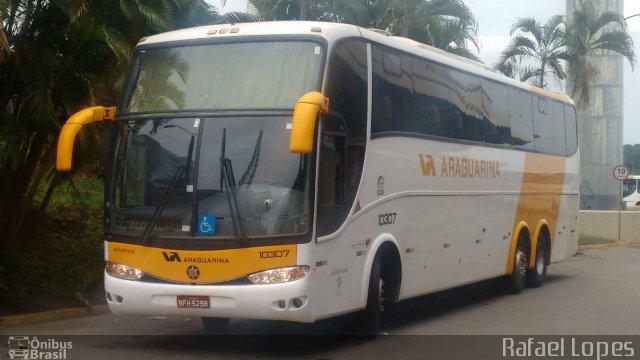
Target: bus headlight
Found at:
123, 271
278, 276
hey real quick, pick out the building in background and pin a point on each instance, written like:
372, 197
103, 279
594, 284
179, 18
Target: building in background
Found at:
600, 127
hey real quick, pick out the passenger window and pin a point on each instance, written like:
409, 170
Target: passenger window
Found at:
466, 101
544, 139
392, 92
496, 125
571, 129
521, 119
431, 99
557, 113
421, 97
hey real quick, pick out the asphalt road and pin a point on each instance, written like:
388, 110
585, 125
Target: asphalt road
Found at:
596, 292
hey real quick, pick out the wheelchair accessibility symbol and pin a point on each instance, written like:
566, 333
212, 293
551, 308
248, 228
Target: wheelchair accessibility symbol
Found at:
206, 225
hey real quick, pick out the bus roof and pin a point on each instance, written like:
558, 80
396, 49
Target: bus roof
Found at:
335, 31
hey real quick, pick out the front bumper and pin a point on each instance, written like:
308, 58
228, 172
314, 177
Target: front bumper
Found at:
231, 301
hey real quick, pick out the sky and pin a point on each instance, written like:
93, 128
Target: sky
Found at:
495, 18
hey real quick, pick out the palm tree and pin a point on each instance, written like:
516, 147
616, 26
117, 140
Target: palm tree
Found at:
450, 34
446, 24
4, 45
58, 57
538, 48
271, 10
587, 35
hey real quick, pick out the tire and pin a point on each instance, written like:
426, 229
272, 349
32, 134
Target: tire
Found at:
518, 278
538, 274
215, 325
369, 319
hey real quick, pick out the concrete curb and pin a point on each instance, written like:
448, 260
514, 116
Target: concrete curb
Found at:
53, 315
604, 246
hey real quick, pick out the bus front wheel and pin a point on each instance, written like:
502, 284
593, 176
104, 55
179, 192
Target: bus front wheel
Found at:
369, 318
215, 325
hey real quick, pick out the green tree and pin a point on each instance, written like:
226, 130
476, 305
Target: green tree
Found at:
589, 34
57, 57
631, 155
536, 51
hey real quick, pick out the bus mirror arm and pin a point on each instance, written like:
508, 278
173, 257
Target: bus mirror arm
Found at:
305, 114
71, 128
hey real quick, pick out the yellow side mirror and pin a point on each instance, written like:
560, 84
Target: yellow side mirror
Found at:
71, 129
304, 121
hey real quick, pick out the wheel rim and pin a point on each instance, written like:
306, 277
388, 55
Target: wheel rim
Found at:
540, 261
381, 293
520, 269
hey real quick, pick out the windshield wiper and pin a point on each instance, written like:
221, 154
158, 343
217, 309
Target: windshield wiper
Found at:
226, 172
171, 189
173, 185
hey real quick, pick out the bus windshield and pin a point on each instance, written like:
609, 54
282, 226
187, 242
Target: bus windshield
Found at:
246, 75
191, 171
169, 173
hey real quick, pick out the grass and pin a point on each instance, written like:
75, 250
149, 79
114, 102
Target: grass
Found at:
591, 240
88, 192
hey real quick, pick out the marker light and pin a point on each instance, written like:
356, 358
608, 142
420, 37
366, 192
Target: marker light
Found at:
123, 271
278, 276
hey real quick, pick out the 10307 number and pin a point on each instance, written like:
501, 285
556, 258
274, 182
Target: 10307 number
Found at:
386, 219
273, 254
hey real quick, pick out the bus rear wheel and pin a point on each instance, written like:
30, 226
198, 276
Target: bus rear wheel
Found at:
516, 281
538, 274
215, 325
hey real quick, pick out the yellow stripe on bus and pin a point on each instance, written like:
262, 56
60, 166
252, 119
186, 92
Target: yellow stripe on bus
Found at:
213, 266
539, 202
551, 94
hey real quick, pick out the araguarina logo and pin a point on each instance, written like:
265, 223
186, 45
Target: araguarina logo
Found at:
171, 257
174, 257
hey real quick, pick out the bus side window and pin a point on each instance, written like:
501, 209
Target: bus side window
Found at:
496, 124
456, 121
544, 139
466, 99
333, 162
557, 111
382, 111
344, 132
521, 119
392, 91
571, 129
431, 99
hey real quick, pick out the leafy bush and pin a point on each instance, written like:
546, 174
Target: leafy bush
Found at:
62, 259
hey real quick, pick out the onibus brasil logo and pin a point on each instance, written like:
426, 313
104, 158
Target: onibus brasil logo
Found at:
25, 347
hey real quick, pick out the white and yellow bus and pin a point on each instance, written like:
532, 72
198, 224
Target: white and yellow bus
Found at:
631, 193
299, 170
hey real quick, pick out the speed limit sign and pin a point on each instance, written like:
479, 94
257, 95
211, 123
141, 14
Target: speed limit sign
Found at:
621, 172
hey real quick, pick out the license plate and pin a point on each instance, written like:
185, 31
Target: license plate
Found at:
193, 302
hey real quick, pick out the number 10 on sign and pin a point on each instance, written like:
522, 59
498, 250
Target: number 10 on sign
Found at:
621, 172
